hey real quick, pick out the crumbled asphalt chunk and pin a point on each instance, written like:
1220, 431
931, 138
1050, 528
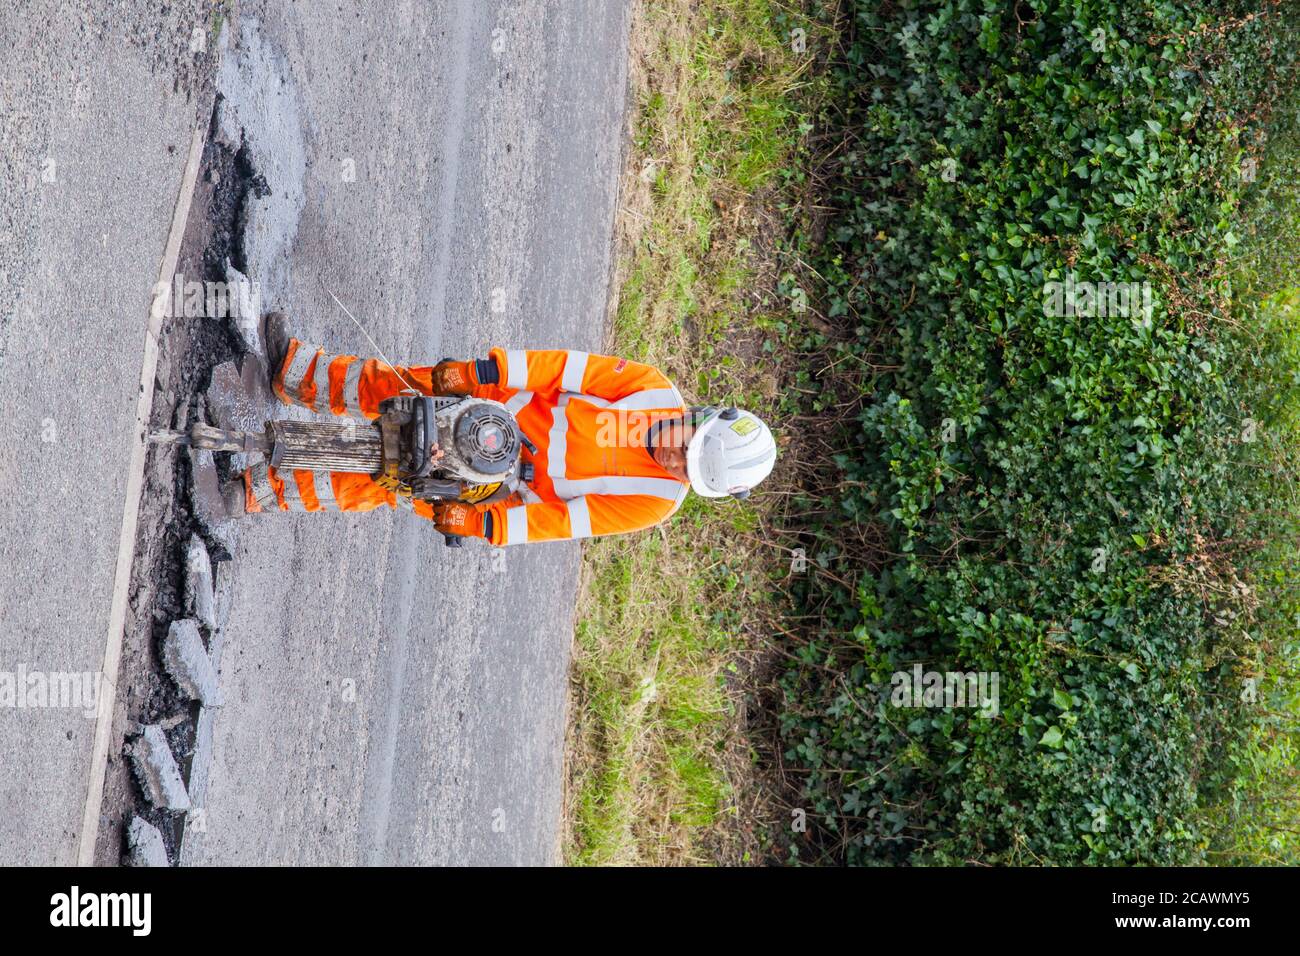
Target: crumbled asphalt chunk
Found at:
198, 584
145, 844
246, 306
157, 771
187, 662
207, 504
223, 597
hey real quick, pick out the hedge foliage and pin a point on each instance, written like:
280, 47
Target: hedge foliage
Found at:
1083, 501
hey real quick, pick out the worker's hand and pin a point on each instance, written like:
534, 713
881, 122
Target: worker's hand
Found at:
453, 378
459, 519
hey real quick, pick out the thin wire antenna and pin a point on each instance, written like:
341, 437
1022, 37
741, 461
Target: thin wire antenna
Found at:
373, 343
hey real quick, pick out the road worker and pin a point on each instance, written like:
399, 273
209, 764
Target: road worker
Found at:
617, 448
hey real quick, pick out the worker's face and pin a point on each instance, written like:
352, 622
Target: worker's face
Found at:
670, 448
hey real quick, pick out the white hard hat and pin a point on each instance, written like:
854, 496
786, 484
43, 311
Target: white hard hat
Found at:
729, 453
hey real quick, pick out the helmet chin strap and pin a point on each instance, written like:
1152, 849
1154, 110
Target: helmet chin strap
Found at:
698, 413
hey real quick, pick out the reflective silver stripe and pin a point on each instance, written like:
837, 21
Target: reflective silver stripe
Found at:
575, 367
322, 378
324, 486
292, 497
670, 489
516, 369
297, 369
681, 496
557, 441
528, 496
518, 401
351, 396
263, 492
579, 518
517, 525
650, 398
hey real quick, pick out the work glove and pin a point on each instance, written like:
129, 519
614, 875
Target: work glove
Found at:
458, 519
454, 378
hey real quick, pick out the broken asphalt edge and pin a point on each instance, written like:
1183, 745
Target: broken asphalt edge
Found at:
131, 507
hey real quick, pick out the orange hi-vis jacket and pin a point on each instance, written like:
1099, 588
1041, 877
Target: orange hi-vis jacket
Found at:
589, 415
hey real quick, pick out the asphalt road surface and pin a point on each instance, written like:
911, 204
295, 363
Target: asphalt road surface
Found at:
449, 170
390, 701
96, 115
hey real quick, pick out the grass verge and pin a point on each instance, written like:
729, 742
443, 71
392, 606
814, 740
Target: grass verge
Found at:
671, 640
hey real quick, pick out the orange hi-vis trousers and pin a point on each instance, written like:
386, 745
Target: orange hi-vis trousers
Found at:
592, 418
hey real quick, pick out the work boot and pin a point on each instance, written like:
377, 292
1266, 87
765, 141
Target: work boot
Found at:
275, 339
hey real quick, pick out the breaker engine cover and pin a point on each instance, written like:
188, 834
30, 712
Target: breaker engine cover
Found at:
480, 440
